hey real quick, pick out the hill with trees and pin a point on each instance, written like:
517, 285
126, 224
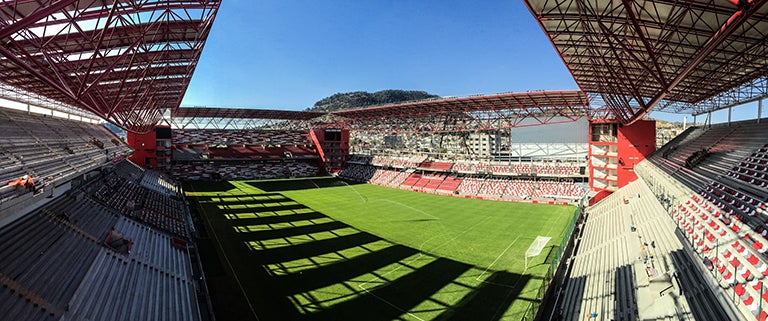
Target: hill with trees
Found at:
360, 99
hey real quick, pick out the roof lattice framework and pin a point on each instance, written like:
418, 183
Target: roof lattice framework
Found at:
473, 113
680, 56
126, 61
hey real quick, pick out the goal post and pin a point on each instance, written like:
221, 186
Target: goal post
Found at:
536, 247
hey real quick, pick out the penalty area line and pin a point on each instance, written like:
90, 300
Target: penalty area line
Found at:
497, 258
364, 199
409, 207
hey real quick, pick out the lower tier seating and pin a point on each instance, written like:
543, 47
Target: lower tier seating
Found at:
79, 258
500, 187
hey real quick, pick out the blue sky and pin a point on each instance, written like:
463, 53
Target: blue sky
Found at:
289, 54
280, 54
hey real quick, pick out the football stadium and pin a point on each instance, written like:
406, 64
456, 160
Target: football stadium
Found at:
119, 203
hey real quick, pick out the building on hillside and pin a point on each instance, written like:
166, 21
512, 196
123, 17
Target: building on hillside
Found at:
484, 144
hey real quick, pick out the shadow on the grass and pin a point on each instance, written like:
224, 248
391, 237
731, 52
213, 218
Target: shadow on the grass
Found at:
277, 219
240, 209
388, 301
316, 248
209, 187
300, 184
490, 300
341, 271
291, 232
307, 266
246, 200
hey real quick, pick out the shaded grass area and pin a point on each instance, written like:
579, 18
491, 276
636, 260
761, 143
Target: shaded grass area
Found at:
280, 185
323, 249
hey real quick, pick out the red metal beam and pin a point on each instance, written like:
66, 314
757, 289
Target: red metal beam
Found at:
115, 77
12, 57
34, 17
749, 8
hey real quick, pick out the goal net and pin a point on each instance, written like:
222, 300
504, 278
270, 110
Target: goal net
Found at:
536, 247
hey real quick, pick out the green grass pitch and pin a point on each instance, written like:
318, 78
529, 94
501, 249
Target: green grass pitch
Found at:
326, 249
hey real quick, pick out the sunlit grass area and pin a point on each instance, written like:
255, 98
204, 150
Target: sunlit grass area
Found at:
326, 249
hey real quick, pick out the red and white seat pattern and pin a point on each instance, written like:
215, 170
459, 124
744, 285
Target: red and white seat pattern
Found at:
735, 250
754, 169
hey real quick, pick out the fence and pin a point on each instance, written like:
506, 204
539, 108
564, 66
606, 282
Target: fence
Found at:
566, 244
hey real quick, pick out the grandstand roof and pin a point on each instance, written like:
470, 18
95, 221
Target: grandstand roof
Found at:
243, 119
681, 56
125, 61
471, 113
208, 112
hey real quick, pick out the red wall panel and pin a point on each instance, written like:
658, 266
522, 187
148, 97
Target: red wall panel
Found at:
146, 148
635, 143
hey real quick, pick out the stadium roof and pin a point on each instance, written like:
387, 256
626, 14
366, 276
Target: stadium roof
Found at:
681, 56
453, 114
242, 118
471, 113
208, 112
125, 61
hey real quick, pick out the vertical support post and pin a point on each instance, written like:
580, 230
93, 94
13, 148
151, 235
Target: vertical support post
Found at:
509, 156
760, 306
717, 248
694, 120
730, 110
759, 110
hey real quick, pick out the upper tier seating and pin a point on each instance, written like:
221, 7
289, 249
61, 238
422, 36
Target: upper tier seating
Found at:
239, 137
244, 170
51, 149
258, 152
729, 146
436, 165
360, 159
198, 144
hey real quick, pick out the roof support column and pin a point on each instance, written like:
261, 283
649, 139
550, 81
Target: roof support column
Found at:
759, 110
694, 120
730, 109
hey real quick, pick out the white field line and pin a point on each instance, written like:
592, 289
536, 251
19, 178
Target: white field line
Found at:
497, 258
409, 207
365, 200
229, 264
551, 226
